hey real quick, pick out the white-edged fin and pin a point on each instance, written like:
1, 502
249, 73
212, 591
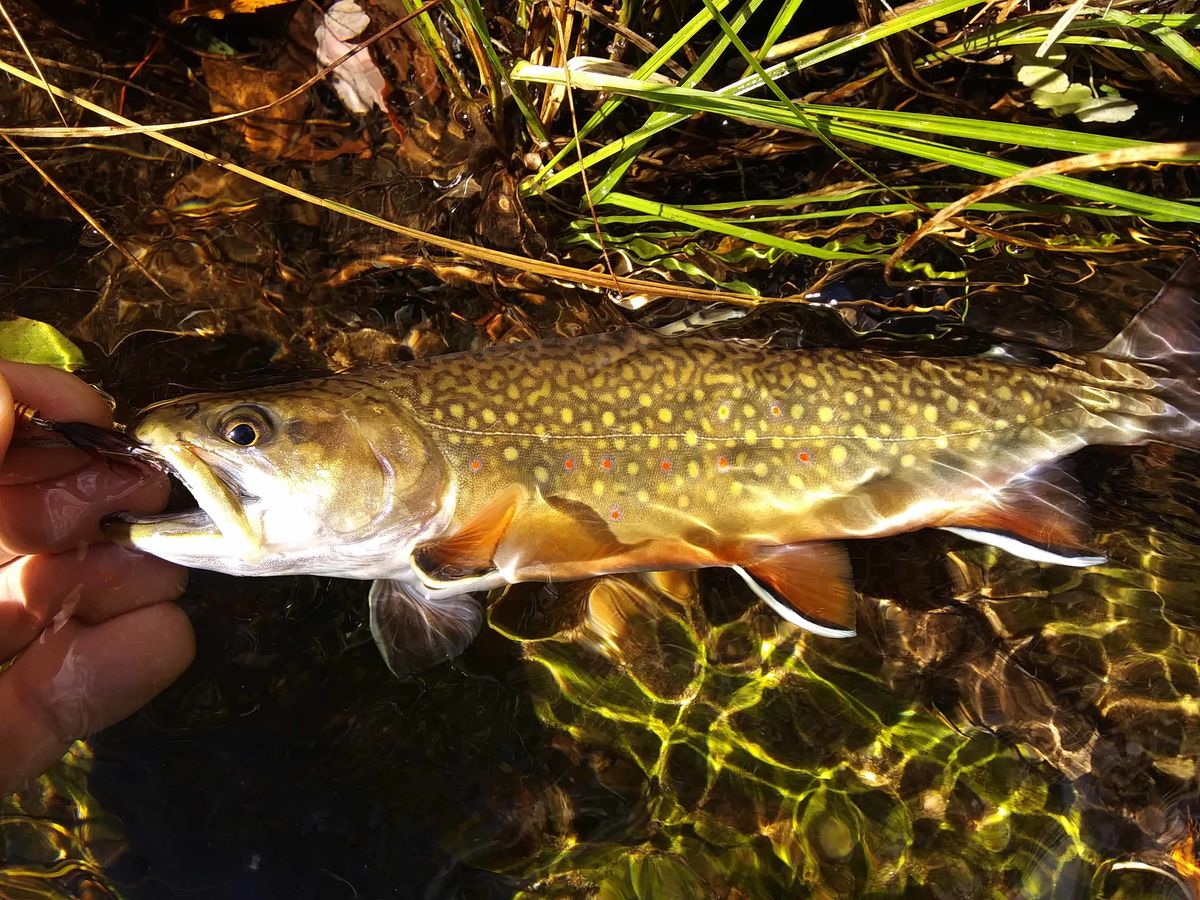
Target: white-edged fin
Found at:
808, 585
1018, 547
414, 632
787, 613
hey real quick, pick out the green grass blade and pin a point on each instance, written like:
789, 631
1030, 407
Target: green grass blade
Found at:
903, 22
707, 60
651, 66
680, 216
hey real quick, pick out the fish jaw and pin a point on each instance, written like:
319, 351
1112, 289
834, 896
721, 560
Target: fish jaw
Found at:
222, 534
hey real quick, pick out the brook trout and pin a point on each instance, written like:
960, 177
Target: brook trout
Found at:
628, 451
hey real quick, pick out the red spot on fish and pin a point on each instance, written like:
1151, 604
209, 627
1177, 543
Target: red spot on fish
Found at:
615, 514
607, 464
476, 464
803, 456
722, 463
666, 465
776, 410
569, 464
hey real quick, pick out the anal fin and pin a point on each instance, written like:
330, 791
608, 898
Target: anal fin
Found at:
414, 632
1039, 516
809, 585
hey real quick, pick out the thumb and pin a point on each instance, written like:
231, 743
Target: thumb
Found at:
6, 416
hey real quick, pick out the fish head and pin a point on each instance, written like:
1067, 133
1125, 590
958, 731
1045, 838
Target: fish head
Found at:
324, 477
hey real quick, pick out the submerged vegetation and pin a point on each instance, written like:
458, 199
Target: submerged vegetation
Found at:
213, 193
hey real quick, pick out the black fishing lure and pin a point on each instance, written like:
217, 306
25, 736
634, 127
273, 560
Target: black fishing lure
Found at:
103, 444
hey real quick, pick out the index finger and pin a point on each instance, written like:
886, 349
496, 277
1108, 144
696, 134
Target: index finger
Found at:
55, 394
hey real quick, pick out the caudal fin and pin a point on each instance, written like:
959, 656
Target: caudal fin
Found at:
1164, 341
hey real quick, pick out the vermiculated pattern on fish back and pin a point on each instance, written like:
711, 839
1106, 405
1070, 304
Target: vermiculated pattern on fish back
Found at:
726, 434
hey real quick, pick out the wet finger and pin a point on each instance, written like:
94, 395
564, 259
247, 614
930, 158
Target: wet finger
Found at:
25, 464
62, 513
99, 583
83, 678
56, 394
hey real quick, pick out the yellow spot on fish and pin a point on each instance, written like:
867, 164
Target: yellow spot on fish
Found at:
885, 429
510, 453
796, 481
683, 501
540, 473
636, 428
723, 412
859, 431
654, 442
748, 411
951, 403
456, 410
974, 442
884, 404
488, 416
512, 418
608, 419
931, 413
808, 381
624, 392
838, 455
1004, 392
751, 436
735, 488
693, 469
874, 444
691, 438
598, 488
539, 430
797, 410
941, 442
909, 431
760, 469
567, 416
825, 413
643, 496
664, 415
850, 398
777, 443
908, 460
632, 468
645, 399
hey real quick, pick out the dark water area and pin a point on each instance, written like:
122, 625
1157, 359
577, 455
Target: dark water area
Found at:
998, 728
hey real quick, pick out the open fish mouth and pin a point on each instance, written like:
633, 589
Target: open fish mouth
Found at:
223, 519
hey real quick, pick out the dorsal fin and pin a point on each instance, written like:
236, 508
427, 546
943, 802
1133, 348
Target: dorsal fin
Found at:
809, 585
1038, 516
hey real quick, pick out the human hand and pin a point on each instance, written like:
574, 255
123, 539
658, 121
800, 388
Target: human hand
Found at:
89, 623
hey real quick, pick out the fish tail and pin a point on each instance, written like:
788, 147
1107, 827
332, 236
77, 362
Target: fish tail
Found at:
1163, 342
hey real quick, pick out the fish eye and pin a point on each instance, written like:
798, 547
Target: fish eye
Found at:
245, 427
243, 434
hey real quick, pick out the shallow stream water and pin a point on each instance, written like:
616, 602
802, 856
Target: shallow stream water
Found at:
999, 728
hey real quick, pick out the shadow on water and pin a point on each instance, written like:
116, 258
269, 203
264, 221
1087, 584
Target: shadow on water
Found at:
998, 728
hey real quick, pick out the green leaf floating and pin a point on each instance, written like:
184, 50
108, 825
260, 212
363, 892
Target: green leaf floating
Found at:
31, 341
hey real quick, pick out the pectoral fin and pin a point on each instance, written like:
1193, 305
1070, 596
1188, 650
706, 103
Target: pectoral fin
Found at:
1039, 516
470, 551
810, 585
414, 632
